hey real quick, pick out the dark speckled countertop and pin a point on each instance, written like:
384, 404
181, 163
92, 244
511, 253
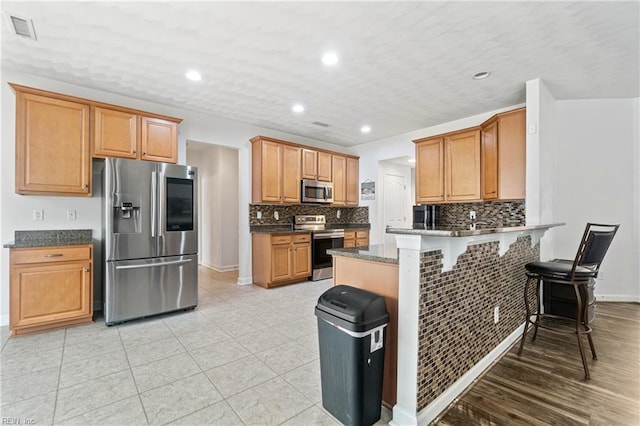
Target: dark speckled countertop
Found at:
59, 237
276, 229
385, 253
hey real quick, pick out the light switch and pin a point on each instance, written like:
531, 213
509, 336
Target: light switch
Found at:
38, 214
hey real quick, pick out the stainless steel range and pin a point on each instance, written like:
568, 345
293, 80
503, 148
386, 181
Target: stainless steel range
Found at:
322, 239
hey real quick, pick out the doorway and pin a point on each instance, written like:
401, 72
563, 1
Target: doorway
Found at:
396, 200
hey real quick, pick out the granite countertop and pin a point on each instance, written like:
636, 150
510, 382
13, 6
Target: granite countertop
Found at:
385, 253
276, 229
59, 237
462, 231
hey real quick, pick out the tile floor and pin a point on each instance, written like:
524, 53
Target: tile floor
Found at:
244, 356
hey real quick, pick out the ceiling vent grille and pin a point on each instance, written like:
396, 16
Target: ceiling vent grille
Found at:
23, 27
320, 123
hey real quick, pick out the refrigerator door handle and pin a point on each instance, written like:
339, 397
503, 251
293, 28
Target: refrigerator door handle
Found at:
154, 184
154, 265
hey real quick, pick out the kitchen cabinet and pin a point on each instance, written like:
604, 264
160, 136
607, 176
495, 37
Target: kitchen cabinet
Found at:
504, 156
50, 287
276, 171
448, 167
124, 134
345, 172
281, 258
316, 165
351, 184
52, 145
356, 238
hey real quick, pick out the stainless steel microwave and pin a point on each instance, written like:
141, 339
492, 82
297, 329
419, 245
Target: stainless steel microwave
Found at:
314, 191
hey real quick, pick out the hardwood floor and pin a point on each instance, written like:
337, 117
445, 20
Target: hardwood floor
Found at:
546, 384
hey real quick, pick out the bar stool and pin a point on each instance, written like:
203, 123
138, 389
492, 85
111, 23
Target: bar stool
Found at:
593, 247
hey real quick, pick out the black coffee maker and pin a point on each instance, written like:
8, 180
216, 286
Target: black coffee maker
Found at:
426, 216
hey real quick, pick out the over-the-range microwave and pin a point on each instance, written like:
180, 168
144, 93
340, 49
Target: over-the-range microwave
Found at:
314, 191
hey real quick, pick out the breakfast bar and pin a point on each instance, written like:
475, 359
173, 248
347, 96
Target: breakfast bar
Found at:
459, 305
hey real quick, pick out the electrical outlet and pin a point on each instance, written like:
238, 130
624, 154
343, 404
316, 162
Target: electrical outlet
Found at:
338, 214
71, 215
38, 214
472, 215
259, 215
496, 314
276, 215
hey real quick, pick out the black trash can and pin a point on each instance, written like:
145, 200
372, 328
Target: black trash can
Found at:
351, 334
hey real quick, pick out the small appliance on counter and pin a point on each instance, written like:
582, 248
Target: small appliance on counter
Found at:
314, 191
426, 216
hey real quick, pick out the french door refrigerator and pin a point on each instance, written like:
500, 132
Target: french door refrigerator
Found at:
150, 238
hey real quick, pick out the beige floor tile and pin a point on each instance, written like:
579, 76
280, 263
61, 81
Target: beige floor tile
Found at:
82, 349
126, 412
238, 376
29, 385
145, 331
164, 371
37, 410
312, 416
91, 368
261, 340
186, 321
5, 333
218, 414
218, 354
154, 351
28, 362
269, 403
306, 379
243, 326
203, 336
178, 399
34, 342
93, 394
310, 342
93, 332
286, 357
295, 329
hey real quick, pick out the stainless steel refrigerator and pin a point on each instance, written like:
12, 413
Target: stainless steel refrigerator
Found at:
150, 238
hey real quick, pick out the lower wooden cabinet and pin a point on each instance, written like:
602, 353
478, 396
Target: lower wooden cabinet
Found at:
281, 258
50, 287
356, 238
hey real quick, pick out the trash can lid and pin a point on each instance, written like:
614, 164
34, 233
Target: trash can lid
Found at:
363, 309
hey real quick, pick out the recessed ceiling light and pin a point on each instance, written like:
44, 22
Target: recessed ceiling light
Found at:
365, 129
193, 75
481, 75
297, 108
330, 58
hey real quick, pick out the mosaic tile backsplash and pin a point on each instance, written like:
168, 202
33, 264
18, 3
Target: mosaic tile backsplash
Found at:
492, 213
286, 213
456, 328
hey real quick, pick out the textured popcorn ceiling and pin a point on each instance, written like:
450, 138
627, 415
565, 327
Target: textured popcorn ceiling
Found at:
403, 65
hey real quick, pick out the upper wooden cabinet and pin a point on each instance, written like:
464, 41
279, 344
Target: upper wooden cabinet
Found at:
276, 171
351, 183
123, 134
448, 167
504, 156
316, 165
52, 145
345, 172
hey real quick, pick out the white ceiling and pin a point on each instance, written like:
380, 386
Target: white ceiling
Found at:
403, 65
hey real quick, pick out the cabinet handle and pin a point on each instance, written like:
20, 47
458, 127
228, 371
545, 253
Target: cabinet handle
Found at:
86, 185
54, 255
87, 269
134, 151
144, 153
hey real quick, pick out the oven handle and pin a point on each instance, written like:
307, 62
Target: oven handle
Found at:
327, 237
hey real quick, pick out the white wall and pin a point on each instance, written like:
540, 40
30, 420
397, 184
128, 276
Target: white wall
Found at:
597, 173
399, 146
16, 210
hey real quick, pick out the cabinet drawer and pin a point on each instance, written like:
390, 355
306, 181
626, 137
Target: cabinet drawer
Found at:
281, 239
362, 242
302, 238
362, 234
50, 254
349, 235
349, 243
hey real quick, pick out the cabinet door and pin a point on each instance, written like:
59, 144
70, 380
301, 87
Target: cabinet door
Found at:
324, 166
339, 169
512, 155
115, 133
309, 164
430, 171
290, 174
463, 166
271, 172
49, 293
490, 161
158, 140
352, 182
52, 146
302, 260
280, 262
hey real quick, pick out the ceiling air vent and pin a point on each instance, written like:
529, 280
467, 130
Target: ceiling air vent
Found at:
23, 27
320, 123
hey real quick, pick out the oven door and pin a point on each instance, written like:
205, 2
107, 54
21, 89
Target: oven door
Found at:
323, 241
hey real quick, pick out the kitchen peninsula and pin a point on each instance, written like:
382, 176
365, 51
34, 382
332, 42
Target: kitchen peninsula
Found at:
459, 306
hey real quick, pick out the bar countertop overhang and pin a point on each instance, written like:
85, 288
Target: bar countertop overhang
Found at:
467, 231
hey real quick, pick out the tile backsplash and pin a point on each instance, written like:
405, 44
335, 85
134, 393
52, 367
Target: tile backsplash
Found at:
492, 213
286, 213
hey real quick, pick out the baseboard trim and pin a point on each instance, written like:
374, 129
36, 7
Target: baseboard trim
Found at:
617, 298
244, 280
221, 268
435, 408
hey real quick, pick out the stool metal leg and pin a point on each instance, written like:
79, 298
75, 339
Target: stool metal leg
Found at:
527, 319
538, 311
585, 319
579, 322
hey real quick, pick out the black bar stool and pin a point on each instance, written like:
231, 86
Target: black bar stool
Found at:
594, 245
